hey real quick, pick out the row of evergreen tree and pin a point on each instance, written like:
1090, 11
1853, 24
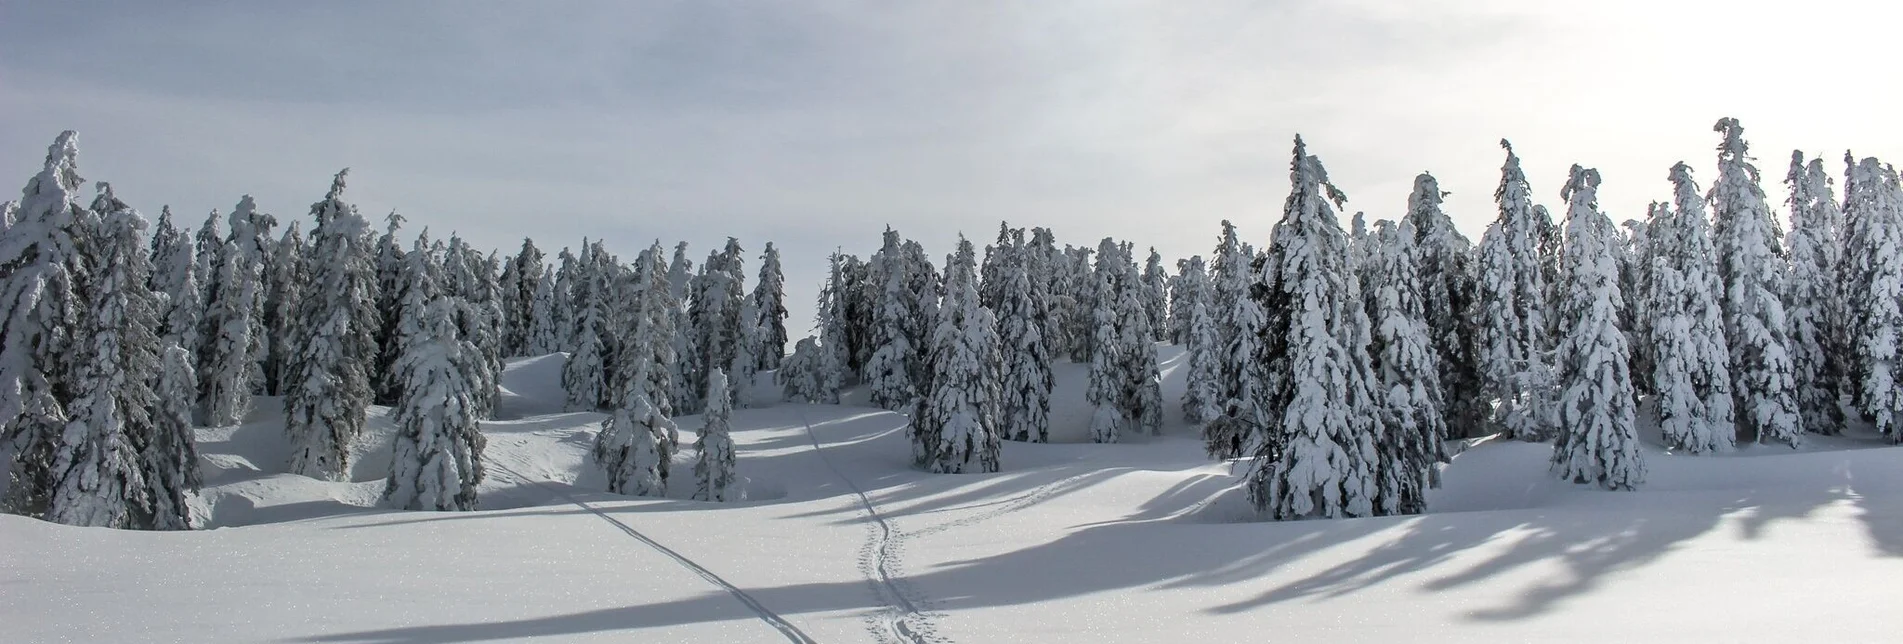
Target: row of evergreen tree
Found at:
1338, 361
117, 343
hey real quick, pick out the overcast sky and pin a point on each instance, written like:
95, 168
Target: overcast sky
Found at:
815, 124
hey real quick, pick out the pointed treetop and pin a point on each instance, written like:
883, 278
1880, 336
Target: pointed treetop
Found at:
62, 160
337, 186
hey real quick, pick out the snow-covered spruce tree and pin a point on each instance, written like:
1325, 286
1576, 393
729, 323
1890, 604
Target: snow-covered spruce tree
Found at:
391, 262
176, 277
1136, 343
1107, 380
1811, 292
98, 478
167, 243
520, 296
769, 304
1189, 288
1597, 441
861, 296
284, 293
1239, 322
1706, 420
955, 428
991, 271
1027, 381
39, 298
648, 346
479, 322
745, 358
714, 313
225, 360
1316, 454
633, 447
207, 246
1752, 265
1512, 316
420, 287
1411, 395
835, 324
564, 309
544, 338
1875, 200
329, 386
1043, 261
1201, 402
584, 377
1448, 290
1864, 193
886, 373
802, 376
251, 230
713, 465
170, 459
436, 462
1156, 295
1079, 317
1631, 250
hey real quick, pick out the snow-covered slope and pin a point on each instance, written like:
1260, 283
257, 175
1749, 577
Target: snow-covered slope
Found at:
840, 540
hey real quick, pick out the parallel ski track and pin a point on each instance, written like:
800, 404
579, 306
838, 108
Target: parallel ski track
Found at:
904, 620
786, 628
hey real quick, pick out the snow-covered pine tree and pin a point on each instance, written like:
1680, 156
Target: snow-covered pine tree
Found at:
1136, 343
1107, 380
1811, 293
39, 296
1239, 321
1316, 456
802, 377
1873, 201
1201, 402
1699, 416
633, 447
991, 272
746, 357
714, 313
167, 241
329, 387
769, 305
544, 336
225, 360
284, 293
1043, 262
561, 314
1447, 291
887, 376
170, 459
584, 377
1156, 295
1026, 373
1189, 288
419, 288
98, 478
436, 462
391, 262
252, 230
1752, 267
520, 295
208, 245
1631, 250
1597, 441
714, 462
1411, 396
1512, 312
648, 347
835, 324
1079, 286
174, 274
861, 296
955, 428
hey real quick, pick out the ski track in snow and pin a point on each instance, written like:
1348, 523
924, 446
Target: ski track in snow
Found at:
786, 628
901, 621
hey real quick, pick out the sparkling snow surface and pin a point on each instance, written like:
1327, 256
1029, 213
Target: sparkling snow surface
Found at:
840, 540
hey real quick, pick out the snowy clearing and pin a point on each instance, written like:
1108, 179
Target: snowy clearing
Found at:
842, 541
